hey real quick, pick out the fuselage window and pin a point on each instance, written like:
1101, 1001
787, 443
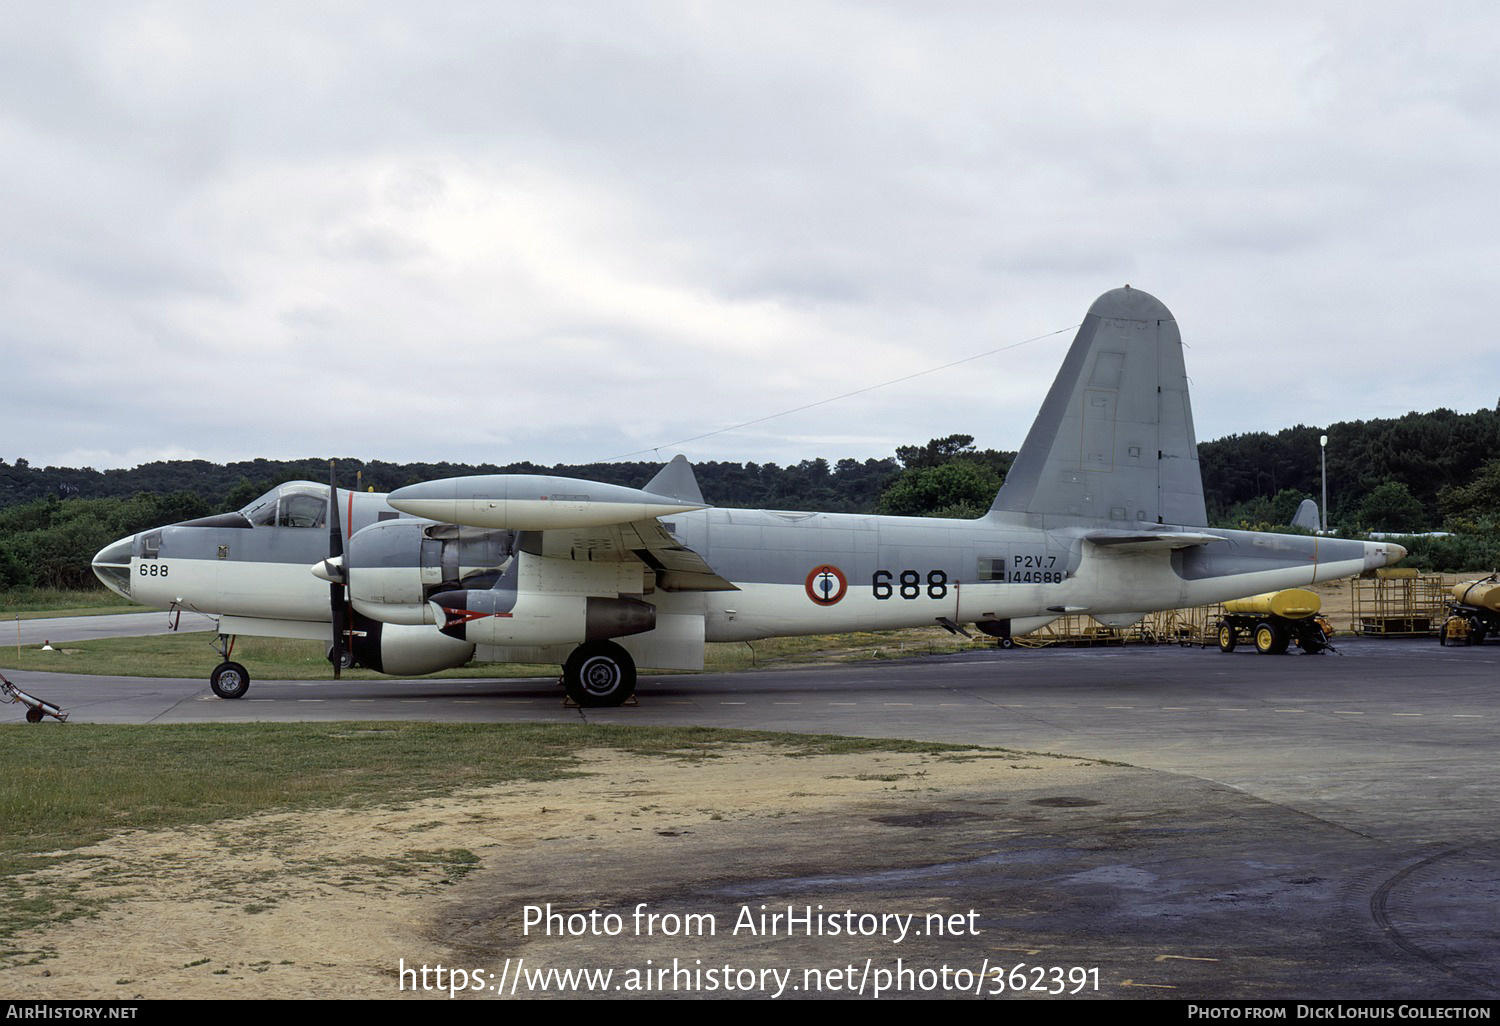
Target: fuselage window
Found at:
302, 511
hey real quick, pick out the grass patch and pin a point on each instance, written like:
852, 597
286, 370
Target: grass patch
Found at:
30, 603
837, 648
191, 655
64, 789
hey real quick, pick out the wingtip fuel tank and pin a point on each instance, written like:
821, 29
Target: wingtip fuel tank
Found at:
532, 502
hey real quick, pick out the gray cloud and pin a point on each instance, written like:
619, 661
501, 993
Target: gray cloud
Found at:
594, 228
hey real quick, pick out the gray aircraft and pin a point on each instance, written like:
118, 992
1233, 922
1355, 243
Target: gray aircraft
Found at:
1102, 513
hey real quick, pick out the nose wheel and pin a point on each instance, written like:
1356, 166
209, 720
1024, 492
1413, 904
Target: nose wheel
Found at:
229, 680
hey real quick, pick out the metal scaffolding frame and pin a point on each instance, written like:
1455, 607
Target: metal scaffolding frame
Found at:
1397, 602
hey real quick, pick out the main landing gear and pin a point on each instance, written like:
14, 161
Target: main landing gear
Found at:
599, 674
229, 679
596, 675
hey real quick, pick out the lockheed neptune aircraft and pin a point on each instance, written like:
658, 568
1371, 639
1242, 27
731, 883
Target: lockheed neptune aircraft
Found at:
1102, 513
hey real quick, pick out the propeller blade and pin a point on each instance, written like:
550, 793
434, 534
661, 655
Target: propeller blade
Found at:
338, 590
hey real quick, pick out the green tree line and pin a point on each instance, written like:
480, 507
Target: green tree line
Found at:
1425, 454
1417, 473
846, 486
51, 543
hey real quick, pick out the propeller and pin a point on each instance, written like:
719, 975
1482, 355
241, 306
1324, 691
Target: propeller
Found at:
338, 588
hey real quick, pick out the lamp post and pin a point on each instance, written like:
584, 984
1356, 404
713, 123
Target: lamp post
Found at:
1323, 461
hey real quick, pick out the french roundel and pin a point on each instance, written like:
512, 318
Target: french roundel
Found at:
826, 584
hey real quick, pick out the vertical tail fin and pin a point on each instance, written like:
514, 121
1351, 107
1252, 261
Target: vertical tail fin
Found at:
676, 480
1307, 517
1114, 440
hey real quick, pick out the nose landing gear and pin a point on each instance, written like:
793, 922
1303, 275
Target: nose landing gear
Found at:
229, 679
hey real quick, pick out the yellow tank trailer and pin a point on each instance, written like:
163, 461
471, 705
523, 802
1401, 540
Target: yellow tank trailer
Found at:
1473, 613
1292, 604
1273, 621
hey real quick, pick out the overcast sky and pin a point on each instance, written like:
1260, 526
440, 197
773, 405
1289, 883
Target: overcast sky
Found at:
567, 231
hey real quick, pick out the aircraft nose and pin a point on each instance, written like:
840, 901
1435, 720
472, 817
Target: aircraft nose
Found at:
112, 566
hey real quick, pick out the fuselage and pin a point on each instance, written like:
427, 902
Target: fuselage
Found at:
794, 572
890, 572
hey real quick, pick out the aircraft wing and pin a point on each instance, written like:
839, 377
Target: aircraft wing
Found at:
678, 568
581, 520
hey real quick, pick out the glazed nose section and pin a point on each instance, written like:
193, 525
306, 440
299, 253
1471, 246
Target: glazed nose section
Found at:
112, 566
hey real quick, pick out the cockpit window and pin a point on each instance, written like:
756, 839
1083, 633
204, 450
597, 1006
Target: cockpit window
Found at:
295, 504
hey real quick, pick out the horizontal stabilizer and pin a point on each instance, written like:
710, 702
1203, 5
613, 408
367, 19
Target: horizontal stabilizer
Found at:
1138, 541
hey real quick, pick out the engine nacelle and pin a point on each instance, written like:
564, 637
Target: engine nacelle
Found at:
501, 617
393, 566
403, 650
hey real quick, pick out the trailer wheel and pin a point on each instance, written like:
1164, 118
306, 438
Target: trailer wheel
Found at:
1227, 638
1270, 638
1476, 631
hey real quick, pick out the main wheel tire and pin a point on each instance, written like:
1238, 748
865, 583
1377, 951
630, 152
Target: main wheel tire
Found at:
229, 680
1270, 638
1228, 638
599, 674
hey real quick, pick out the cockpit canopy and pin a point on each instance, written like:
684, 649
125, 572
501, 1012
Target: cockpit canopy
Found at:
294, 504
